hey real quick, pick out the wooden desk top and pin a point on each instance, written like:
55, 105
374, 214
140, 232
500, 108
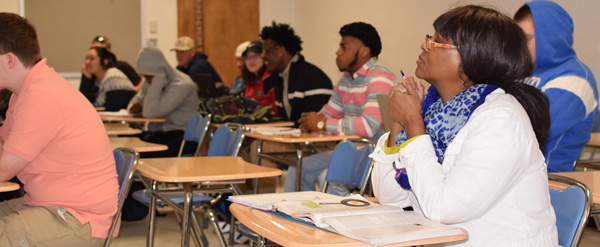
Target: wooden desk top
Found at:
100, 108
594, 140
288, 232
120, 129
302, 138
132, 119
590, 178
198, 169
8, 186
269, 124
136, 143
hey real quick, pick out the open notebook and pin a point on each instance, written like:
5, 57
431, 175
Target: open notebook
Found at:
383, 101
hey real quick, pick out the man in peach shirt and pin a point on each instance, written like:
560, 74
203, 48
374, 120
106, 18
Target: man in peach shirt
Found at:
54, 142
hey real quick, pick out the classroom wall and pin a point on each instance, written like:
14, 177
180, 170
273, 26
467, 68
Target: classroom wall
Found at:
402, 26
157, 24
11, 6
161, 14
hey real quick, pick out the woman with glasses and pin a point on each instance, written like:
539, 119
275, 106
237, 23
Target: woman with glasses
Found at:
467, 152
113, 88
254, 73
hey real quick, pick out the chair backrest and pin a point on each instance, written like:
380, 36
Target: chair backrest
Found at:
383, 102
572, 208
226, 140
195, 131
125, 165
351, 164
596, 125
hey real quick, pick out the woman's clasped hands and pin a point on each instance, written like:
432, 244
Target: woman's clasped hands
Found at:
405, 101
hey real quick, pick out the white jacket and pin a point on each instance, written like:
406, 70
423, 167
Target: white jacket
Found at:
492, 183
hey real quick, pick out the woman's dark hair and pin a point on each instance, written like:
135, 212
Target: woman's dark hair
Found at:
251, 78
104, 54
283, 35
365, 33
493, 50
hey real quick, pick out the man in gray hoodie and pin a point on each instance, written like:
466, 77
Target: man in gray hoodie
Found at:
167, 93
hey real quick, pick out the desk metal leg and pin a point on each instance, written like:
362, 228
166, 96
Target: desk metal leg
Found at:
151, 219
213, 220
298, 166
187, 211
258, 161
236, 191
262, 242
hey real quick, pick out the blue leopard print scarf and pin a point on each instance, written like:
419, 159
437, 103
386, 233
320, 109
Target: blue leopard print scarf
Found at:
444, 120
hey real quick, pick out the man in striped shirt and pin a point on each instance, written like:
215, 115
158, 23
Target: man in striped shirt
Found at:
353, 107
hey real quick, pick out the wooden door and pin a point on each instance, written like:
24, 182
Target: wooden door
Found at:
218, 27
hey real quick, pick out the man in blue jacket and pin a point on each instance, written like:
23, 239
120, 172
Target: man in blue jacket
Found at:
192, 62
568, 82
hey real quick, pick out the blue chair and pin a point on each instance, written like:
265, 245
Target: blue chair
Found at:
125, 169
194, 132
351, 164
226, 140
572, 207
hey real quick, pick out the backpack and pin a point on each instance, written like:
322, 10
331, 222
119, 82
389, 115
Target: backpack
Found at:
237, 109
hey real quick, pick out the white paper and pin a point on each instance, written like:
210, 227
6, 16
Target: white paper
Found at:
277, 131
387, 228
314, 211
268, 200
120, 113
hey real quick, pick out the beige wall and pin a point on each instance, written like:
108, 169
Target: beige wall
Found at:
402, 26
9, 6
66, 28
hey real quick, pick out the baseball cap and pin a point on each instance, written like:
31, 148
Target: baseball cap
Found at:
241, 48
254, 46
183, 43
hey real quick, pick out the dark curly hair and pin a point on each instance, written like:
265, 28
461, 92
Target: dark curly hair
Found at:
365, 33
283, 35
493, 50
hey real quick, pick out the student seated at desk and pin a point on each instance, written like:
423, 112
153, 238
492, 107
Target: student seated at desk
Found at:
192, 62
353, 108
569, 84
88, 85
469, 153
299, 86
237, 86
254, 73
53, 140
114, 89
167, 93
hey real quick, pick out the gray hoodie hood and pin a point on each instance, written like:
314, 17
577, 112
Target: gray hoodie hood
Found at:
151, 61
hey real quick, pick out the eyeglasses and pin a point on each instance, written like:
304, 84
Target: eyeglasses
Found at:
252, 56
268, 49
430, 44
